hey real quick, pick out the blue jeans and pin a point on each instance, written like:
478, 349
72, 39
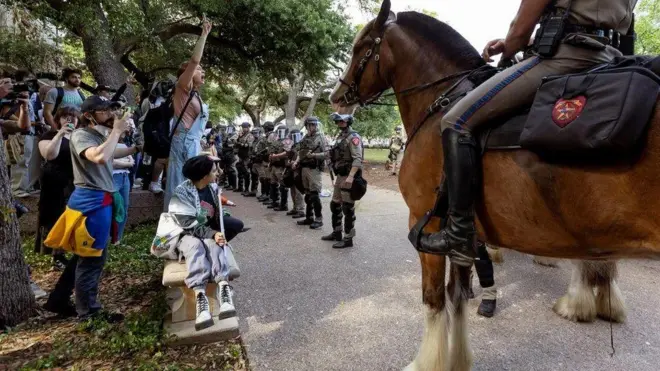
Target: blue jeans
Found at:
123, 186
87, 277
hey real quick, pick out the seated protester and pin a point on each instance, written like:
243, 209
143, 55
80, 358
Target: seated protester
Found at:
195, 207
57, 175
93, 210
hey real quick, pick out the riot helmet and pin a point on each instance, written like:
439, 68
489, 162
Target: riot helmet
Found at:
347, 118
295, 135
269, 126
282, 132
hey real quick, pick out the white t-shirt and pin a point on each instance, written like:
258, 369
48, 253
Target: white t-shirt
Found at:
124, 170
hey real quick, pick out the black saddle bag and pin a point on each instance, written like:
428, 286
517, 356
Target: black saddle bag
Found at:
602, 112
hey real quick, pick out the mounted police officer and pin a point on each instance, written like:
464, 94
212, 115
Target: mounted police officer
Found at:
574, 35
228, 156
396, 149
243, 143
277, 154
346, 157
311, 160
296, 195
254, 162
261, 161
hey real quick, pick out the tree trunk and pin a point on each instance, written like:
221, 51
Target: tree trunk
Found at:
16, 299
100, 56
315, 98
291, 106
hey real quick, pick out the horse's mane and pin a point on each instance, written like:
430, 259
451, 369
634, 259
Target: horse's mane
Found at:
447, 40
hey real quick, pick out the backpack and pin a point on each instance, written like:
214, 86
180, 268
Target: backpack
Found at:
60, 96
156, 126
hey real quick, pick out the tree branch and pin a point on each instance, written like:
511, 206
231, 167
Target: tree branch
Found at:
185, 28
140, 76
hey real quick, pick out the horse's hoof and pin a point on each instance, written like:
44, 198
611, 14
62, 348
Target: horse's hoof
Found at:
580, 307
411, 367
546, 262
496, 255
487, 308
617, 313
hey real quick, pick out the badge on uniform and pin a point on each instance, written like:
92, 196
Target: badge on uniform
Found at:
356, 141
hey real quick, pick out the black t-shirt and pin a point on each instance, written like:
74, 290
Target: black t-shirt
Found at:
61, 164
208, 206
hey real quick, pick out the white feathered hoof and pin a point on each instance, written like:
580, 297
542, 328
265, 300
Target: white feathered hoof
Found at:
617, 311
411, 367
577, 307
546, 262
495, 255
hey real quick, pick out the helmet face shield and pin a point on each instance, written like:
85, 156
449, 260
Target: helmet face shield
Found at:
281, 133
230, 130
347, 118
296, 137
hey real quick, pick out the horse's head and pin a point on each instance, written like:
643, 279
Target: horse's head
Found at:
362, 79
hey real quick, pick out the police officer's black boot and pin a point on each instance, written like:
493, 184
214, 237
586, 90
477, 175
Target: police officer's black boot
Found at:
246, 187
265, 190
231, 179
318, 208
349, 226
309, 212
274, 196
335, 209
284, 199
254, 185
457, 239
241, 178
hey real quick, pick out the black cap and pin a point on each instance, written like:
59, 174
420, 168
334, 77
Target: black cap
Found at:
245, 125
198, 167
102, 87
96, 103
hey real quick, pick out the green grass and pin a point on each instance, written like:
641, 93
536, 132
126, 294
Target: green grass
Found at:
376, 155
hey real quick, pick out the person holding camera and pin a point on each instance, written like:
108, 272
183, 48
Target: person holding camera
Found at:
57, 175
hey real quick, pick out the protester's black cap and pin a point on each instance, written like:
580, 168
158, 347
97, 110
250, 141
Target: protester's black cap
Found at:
245, 125
198, 167
96, 103
103, 87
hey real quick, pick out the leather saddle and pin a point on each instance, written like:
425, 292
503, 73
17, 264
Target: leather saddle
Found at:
504, 134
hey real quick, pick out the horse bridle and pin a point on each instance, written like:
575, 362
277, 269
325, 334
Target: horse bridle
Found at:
352, 96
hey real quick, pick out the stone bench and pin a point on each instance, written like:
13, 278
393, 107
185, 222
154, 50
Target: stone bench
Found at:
180, 321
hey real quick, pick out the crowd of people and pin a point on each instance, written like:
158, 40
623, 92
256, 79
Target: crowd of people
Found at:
92, 151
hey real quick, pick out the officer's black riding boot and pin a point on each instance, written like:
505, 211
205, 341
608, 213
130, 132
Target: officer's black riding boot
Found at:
274, 196
284, 199
349, 226
315, 200
335, 209
265, 190
457, 239
309, 212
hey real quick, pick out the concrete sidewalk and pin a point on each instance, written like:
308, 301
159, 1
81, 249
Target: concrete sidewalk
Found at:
305, 306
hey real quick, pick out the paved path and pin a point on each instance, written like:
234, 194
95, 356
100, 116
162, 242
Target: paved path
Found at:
306, 306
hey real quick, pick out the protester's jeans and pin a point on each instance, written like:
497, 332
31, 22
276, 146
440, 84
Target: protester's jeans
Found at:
123, 186
82, 274
88, 276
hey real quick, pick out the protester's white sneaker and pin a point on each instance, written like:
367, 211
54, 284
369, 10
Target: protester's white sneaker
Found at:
204, 318
225, 294
155, 188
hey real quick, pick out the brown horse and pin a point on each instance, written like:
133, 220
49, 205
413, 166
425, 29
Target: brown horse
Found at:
554, 210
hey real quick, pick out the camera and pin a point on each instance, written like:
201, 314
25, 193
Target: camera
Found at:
29, 86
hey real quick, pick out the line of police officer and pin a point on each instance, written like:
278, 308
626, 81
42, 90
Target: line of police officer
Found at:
280, 160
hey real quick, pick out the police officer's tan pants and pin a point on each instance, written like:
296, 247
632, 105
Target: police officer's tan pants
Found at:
397, 163
260, 168
311, 179
276, 174
516, 86
339, 195
298, 199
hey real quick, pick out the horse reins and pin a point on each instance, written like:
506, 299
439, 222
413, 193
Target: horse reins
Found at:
352, 96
